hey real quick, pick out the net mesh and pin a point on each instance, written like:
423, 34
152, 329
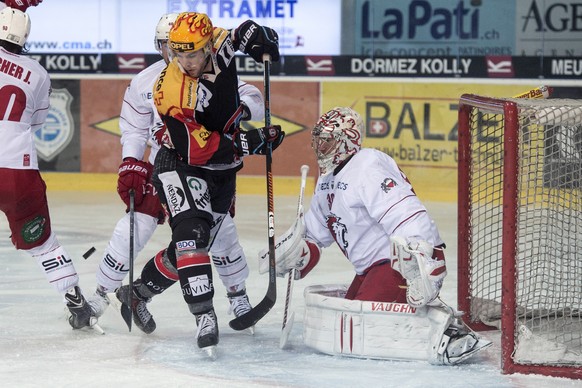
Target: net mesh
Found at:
548, 278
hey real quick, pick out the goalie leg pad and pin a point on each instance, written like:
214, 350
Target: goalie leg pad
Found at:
354, 328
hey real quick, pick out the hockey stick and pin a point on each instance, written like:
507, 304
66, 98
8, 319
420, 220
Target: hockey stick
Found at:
131, 252
127, 313
288, 319
260, 310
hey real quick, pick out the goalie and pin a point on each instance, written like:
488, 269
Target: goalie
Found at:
365, 203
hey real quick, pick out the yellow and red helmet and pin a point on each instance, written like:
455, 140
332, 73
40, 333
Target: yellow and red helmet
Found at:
192, 31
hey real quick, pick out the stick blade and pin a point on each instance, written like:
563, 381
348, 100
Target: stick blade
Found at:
283, 341
256, 314
127, 315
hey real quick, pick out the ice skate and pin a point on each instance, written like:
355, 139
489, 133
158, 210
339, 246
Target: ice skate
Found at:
240, 305
460, 344
82, 315
207, 333
142, 318
99, 301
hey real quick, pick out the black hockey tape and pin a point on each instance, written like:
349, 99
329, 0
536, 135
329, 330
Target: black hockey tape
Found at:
89, 253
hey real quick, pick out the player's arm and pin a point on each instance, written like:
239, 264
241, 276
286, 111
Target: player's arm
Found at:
135, 121
251, 101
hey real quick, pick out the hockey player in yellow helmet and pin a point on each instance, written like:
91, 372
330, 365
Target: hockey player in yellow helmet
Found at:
201, 101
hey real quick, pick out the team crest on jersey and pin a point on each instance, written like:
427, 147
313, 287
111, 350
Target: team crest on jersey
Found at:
32, 230
57, 132
338, 230
388, 184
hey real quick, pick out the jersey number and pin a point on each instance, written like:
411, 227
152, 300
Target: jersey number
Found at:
12, 103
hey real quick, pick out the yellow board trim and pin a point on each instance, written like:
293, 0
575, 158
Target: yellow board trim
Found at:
246, 185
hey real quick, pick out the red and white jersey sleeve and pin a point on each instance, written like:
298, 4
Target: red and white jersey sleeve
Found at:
24, 102
139, 119
369, 200
253, 99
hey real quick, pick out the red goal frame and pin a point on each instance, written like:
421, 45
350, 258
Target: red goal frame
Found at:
509, 110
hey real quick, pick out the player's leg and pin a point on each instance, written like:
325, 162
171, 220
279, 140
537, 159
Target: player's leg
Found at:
158, 274
114, 265
380, 283
230, 262
24, 202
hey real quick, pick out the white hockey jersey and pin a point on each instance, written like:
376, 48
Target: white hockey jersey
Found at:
139, 121
24, 102
369, 200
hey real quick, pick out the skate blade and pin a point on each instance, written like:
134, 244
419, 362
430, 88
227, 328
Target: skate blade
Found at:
97, 328
93, 327
482, 344
211, 352
249, 330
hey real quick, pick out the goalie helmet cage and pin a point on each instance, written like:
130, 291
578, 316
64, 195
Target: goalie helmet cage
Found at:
520, 229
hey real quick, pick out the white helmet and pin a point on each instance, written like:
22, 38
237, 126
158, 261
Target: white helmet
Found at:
163, 30
336, 136
14, 26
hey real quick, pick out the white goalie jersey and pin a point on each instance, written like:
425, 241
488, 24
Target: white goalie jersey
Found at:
360, 207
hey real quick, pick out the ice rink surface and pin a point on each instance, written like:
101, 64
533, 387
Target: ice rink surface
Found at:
39, 349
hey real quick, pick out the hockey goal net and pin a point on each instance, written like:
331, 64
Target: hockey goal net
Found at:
520, 229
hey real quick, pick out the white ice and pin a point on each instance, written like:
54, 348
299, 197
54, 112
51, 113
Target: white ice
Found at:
38, 347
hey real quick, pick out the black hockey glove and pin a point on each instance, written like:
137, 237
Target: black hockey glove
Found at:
254, 141
256, 40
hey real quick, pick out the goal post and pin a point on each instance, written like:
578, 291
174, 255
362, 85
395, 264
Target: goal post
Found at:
520, 229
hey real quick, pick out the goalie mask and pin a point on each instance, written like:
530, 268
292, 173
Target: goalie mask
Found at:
336, 136
163, 30
14, 26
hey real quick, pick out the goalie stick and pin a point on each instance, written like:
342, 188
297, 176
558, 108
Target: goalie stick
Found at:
288, 319
260, 310
126, 311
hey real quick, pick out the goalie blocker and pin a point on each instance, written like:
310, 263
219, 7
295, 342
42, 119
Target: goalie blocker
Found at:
380, 330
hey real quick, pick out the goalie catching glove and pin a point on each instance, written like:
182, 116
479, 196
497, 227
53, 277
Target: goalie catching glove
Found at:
255, 141
133, 174
292, 251
424, 273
